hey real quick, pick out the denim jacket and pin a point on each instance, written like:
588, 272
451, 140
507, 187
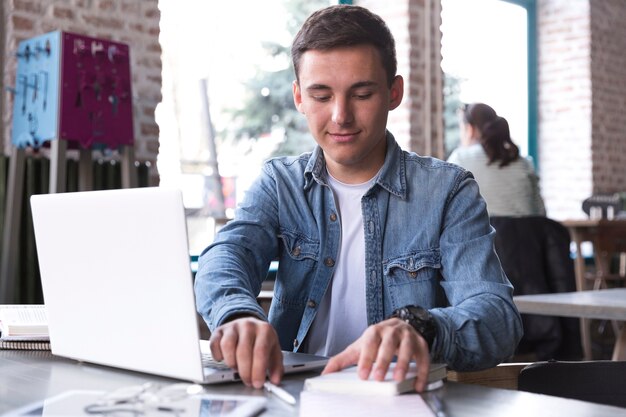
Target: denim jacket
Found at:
428, 242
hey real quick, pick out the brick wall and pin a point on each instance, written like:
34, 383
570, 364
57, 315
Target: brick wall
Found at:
133, 22
406, 20
565, 91
608, 77
582, 101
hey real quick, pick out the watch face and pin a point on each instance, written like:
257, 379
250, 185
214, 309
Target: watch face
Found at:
418, 312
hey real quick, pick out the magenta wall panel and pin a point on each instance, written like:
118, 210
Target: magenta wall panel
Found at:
96, 105
75, 88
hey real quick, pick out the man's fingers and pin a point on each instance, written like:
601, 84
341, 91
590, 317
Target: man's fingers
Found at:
276, 369
378, 346
264, 352
245, 350
349, 356
370, 348
406, 351
250, 346
225, 342
390, 338
422, 359
214, 344
258, 370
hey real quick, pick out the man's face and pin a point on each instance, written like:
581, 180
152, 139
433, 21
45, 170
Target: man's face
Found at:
345, 97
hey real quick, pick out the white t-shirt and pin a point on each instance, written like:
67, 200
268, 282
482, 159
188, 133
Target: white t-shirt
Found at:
342, 314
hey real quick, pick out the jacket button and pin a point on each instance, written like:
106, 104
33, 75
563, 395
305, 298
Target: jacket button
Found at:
333, 217
311, 304
329, 262
413, 274
296, 343
296, 251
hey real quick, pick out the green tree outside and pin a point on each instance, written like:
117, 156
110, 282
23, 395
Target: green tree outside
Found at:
268, 104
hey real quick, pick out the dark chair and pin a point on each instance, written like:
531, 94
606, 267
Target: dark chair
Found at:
535, 255
599, 382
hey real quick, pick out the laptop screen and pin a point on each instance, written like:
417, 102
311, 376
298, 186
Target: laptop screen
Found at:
116, 279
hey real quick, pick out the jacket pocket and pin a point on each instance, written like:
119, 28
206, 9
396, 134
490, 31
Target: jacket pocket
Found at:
298, 246
411, 279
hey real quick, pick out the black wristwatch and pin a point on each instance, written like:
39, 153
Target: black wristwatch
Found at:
420, 319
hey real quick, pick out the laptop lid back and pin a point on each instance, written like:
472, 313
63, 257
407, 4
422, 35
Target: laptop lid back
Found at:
117, 281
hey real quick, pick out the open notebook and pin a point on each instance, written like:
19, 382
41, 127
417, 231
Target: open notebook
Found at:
117, 283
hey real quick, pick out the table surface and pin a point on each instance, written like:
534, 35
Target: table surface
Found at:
609, 304
593, 222
27, 377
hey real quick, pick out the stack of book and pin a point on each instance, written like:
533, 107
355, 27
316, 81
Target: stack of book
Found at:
343, 393
347, 381
24, 327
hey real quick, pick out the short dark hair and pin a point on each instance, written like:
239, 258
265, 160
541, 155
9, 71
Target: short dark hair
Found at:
345, 25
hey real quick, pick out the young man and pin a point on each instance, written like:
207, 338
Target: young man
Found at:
382, 254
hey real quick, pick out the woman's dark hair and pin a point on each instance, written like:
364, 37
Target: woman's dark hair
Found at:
345, 25
495, 136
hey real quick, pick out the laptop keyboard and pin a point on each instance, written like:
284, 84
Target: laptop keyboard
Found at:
209, 362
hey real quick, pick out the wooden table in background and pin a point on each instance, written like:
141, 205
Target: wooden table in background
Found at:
608, 237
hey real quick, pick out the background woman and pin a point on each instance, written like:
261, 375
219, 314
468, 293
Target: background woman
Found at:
507, 181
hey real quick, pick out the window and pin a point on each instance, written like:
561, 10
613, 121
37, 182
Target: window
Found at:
221, 113
489, 56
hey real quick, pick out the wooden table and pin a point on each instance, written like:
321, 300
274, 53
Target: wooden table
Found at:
607, 304
607, 237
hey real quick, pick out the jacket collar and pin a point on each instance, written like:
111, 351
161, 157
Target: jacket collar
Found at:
392, 176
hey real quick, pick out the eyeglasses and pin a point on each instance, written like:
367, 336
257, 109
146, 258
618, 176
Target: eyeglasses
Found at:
139, 399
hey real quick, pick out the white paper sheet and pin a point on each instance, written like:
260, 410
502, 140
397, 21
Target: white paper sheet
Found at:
315, 404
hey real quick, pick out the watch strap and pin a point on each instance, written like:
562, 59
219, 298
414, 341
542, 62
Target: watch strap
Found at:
420, 319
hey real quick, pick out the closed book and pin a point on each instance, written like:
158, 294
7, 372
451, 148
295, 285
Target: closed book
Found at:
347, 381
23, 322
24, 345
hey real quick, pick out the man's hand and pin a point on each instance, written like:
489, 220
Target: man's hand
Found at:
379, 344
250, 346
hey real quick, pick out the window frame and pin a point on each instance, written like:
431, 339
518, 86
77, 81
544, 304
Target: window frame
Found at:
532, 74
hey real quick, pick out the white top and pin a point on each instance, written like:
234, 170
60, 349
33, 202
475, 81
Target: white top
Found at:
342, 314
512, 190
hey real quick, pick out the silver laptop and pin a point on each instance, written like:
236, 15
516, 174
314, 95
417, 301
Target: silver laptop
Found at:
117, 283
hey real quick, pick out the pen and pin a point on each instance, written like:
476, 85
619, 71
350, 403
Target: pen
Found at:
434, 402
279, 392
